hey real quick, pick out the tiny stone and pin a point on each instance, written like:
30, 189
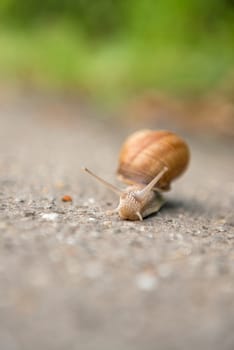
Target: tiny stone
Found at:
66, 198
50, 216
196, 233
146, 281
91, 219
29, 213
107, 223
169, 220
19, 200
49, 206
221, 229
91, 200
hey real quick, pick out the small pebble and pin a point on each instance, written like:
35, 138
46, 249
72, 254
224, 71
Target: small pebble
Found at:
67, 198
107, 224
91, 219
19, 200
49, 206
221, 229
196, 233
29, 213
50, 216
146, 281
91, 200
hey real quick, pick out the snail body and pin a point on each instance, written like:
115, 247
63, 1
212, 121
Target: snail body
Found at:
149, 161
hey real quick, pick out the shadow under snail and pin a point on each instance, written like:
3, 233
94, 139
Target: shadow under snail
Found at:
148, 161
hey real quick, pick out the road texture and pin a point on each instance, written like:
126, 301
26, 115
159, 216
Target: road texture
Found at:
73, 278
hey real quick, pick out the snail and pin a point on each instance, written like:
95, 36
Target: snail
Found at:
149, 161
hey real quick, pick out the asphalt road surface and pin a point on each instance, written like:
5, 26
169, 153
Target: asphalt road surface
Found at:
72, 277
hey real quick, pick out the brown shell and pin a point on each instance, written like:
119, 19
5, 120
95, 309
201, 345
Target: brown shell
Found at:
146, 152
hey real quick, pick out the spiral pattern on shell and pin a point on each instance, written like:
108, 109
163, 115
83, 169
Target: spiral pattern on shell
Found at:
145, 153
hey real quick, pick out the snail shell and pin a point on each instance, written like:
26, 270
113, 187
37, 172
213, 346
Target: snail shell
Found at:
145, 153
148, 161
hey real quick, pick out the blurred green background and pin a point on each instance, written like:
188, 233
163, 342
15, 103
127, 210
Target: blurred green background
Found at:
110, 49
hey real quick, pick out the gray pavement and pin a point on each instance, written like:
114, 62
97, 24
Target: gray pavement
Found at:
73, 278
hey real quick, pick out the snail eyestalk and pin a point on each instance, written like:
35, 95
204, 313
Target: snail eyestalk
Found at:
144, 192
104, 182
139, 216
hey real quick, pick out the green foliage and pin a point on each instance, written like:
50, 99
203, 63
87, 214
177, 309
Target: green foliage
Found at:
109, 46
95, 18
153, 20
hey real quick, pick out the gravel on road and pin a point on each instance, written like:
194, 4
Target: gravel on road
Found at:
73, 278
